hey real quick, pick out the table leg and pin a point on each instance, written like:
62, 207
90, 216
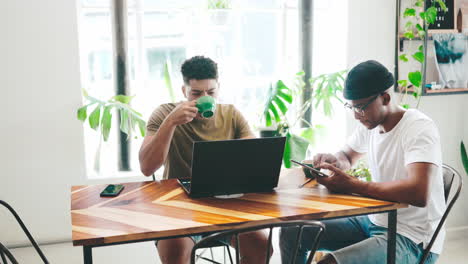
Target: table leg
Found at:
391, 243
88, 255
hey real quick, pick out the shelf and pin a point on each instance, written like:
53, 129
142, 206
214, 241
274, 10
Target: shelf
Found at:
439, 92
447, 91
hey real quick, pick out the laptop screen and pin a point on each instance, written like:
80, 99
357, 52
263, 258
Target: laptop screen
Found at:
236, 166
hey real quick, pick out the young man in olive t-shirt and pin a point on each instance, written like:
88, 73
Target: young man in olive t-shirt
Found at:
171, 131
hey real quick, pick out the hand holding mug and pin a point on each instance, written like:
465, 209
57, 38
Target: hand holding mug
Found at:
183, 113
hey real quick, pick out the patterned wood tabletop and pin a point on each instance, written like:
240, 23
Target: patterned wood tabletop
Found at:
147, 210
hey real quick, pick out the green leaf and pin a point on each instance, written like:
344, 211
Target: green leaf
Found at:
415, 78
420, 48
124, 121
106, 122
94, 117
406, 106
403, 57
309, 134
419, 3
442, 5
142, 127
403, 83
415, 95
168, 81
419, 56
423, 15
81, 113
267, 119
408, 35
464, 157
280, 104
295, 148
419, 27
408, 24
279, 99
431, 14
124, 99
409, 12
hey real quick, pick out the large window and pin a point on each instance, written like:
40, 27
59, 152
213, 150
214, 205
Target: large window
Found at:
255, 43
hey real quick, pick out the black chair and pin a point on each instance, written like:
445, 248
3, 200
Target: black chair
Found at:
5, 254
449, 174
235, 232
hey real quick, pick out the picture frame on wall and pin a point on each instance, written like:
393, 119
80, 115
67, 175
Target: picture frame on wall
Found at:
446, 21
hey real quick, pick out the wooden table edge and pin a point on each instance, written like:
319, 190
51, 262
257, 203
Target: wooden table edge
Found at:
123, 239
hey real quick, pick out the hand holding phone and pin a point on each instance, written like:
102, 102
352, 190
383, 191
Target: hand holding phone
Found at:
314, 171
112, 190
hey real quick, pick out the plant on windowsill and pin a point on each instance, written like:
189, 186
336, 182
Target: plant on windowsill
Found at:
413, 29
219, 11
100, 118
326, 88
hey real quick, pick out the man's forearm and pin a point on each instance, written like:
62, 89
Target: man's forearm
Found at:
402, 191
154, 153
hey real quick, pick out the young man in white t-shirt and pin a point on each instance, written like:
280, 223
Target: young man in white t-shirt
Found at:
404, 156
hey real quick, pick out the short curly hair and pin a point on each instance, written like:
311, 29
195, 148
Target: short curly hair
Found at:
199, 68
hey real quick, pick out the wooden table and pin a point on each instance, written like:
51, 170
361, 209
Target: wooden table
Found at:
151, 210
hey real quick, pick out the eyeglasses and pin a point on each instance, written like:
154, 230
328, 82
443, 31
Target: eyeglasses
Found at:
360, 109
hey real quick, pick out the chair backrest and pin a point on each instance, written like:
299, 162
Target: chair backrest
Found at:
449, 175
236, 231
6, 256
4, 251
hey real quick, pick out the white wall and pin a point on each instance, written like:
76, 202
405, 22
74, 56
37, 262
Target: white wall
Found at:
371, 35
42, 151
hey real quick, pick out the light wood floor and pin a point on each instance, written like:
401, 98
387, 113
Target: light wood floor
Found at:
454, 253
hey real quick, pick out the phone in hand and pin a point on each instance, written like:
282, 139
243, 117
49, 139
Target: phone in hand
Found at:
112, 190
312, 170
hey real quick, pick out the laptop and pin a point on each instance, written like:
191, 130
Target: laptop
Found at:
234, 166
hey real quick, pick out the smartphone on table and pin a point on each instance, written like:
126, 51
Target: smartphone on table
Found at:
112, 190
312, 170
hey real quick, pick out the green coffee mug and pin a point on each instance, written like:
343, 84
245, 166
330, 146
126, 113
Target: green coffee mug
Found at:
206, 106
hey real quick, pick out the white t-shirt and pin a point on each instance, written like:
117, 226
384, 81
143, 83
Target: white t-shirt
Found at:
414, 139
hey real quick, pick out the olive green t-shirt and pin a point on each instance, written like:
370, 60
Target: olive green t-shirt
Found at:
227, 123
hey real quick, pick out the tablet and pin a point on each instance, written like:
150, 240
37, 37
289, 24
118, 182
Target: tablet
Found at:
313, 170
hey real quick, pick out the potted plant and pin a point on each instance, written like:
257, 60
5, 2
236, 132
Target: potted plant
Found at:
277, 121
419, 18
218, 10
100, 118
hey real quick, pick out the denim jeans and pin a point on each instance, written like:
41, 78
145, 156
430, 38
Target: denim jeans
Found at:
352, 240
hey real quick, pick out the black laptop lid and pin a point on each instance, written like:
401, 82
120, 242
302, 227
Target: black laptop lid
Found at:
236, 166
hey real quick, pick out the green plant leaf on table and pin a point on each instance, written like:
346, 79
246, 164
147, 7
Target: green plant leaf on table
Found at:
464, 157
295, 148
